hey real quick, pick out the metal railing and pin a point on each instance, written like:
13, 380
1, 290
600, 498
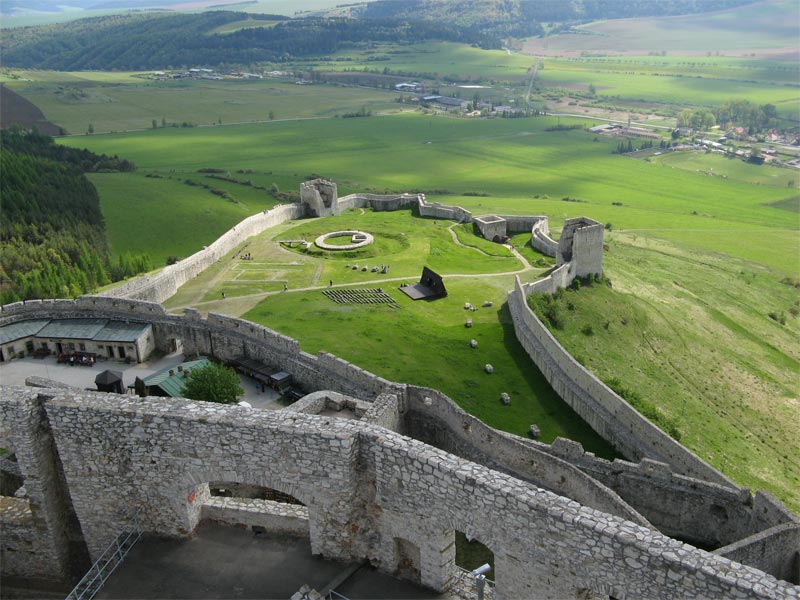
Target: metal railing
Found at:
465, 585
101, 570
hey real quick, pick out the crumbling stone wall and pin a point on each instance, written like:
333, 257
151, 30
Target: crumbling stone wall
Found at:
275, 517
435, 210
608, 414
581, 244
368, 491
319, 195
164, 284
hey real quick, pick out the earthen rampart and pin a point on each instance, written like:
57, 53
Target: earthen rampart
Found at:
604, 410
366, 489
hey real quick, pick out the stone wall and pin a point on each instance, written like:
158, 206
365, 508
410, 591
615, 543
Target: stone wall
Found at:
275, 517
225, 338
540, 238
775, 551
604, 410
164, 284
378, 203
433, 418
435, 210
369, 492
581, 244
709, 514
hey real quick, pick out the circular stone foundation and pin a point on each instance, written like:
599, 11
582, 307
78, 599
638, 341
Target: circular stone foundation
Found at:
358, 239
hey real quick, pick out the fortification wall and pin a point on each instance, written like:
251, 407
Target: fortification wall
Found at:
35, 536
225, 338
433, 418
275, 517
608, 414
775, 551
687, 508
162, 285
581, 243
366, 489
378, 203
435, 210
540, 238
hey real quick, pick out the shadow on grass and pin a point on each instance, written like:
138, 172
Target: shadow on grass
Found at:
559, 414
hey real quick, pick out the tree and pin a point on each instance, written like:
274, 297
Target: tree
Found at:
154, 124
90, 129
213, 383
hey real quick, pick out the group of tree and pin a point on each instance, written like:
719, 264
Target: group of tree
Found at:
699, 120
625, 148
743, 113
734, 113
52, 234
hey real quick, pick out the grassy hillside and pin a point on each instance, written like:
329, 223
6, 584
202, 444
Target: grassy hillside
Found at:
692, 335
694, 259
765, 27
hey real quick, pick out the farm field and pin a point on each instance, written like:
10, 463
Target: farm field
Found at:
522, 167
129, 101
142, 213
765, 29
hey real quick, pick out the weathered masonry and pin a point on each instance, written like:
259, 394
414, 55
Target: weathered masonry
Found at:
393, 482
560, 522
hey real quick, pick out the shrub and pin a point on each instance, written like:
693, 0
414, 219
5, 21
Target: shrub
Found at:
587, 330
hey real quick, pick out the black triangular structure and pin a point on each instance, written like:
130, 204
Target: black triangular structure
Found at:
430, 287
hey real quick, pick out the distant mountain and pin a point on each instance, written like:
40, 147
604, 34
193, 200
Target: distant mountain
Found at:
493, 12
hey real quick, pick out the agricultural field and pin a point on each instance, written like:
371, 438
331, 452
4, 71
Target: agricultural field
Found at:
522, 167
766, 29
132, 101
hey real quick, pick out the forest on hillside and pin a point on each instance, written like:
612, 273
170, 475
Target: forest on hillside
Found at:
164, 41
52, 234
156, 41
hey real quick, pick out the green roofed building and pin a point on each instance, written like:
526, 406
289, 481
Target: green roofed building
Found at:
169, 382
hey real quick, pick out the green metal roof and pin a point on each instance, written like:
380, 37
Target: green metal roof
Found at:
75, 329
22, 329
174, 385
117, 331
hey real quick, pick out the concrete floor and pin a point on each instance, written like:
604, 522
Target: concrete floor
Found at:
14, 372
230, 562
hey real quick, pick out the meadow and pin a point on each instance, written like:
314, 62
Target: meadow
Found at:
132, 101
695, 337
764, 28
520, 165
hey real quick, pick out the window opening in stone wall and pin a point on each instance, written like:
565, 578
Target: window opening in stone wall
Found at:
228, 489
471, 554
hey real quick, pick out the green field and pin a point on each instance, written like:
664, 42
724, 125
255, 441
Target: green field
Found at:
695, 258
130, 101
165, 217
512, 160
696, 339
764, 26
